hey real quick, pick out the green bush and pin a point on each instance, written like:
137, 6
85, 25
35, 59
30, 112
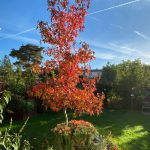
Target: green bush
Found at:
18, 81
4, 100
79, 135
19, 108
115, 101
26, 105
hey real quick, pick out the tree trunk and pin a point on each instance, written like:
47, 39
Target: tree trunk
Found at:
66, 117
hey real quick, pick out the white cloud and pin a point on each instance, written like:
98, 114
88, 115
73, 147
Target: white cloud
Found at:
120, 51
20, 38
133, 52
110, 46
142, 35
0, 28
24, 39
146, 62
106, 56
122, 48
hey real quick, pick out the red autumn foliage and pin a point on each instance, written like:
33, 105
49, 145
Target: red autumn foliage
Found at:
77, 123
60, 91
72, 125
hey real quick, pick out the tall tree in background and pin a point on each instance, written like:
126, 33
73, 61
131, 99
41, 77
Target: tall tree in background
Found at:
130, 75
108, 77
6, 69
60, 91
27, 55
146, 80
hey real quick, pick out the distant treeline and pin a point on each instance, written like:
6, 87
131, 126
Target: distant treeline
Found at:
126, 84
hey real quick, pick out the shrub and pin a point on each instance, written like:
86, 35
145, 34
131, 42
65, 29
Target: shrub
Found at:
4, 100
10, 141
27, 105
115, 101
19, 108
13, 141
79, 135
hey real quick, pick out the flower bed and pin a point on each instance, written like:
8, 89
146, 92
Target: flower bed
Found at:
78, 135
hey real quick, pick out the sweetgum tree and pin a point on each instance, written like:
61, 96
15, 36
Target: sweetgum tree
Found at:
60, 90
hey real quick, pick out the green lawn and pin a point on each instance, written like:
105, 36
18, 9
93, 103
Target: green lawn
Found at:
130, 130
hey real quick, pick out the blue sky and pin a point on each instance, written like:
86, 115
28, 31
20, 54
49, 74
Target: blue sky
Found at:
115, 29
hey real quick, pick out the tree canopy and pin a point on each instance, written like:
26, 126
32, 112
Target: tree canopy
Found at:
126, 81
60, 91
27, 55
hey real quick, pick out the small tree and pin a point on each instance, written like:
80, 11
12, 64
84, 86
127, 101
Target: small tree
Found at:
60, 90
6, 69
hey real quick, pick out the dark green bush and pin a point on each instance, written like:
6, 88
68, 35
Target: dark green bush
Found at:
19, 108
26, 105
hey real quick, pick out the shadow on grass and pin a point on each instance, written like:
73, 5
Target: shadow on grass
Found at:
38, 129
131, 130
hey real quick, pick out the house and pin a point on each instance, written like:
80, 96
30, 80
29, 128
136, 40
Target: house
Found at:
95, 73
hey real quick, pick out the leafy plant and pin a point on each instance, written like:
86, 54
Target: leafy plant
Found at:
4, 100
13, 141
10, 141
17, 81
50, 148
79, 135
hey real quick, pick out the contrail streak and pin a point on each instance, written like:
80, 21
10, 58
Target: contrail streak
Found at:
99, 11
142, 35
28, 30
113, 7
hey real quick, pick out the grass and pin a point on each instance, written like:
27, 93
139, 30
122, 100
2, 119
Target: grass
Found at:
130, 130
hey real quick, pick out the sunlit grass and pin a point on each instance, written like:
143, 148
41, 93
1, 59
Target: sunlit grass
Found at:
130, 134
